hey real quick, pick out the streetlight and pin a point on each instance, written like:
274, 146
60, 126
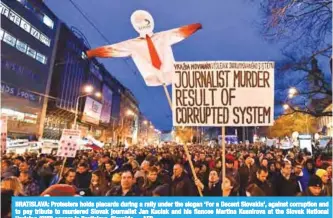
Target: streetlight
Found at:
129, 113
292, 92
285, 106
88, 89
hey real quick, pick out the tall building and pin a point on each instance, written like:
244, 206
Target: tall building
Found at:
129, 118
28, 36
73, 72
98, 116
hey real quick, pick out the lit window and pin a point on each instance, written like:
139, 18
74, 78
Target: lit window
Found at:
45, 40
25, 25
9, 39
41, 58
21, 46
1, 34
31, 52
83, 55
48, 22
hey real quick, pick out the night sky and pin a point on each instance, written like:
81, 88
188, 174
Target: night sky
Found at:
229, 32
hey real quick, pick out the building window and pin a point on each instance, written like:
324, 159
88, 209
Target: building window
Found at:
83, 55
1, 34
18, 20
21, 46
19, 116
48, 22
41, 58
31, 52
9, 39
40, 15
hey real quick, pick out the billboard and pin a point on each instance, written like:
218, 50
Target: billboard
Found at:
92, 111
107, 103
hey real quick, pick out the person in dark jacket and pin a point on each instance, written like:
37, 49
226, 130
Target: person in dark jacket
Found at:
68, 177
83, 177
163, 175
151, 183
301, 179
286, 183
110, 169
231, 171
314, 187
214, 185
246, 173
30, 186
327, 185
227, 187
7, 169
6, 203
181, 184
126, 188
262, 182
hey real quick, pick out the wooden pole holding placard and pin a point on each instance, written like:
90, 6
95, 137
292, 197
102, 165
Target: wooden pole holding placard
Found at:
189, 158
223, 154
62, 169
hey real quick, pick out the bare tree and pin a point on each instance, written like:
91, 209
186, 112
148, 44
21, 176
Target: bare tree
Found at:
305, 29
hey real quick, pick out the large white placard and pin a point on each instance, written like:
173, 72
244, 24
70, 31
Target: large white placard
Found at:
92, 111
223, 93
68, 144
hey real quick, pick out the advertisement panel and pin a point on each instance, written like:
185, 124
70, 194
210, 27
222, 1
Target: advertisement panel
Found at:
92, 111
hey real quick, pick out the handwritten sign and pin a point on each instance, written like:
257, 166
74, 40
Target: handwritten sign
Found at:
68, 144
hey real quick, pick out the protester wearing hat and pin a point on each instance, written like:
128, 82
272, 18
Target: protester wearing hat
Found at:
327, 185
314, 187
328, 167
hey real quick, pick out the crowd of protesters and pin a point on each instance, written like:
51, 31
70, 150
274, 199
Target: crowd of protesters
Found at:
254, 170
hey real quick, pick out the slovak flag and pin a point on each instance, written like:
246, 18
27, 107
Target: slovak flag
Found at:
151, 52
94, 144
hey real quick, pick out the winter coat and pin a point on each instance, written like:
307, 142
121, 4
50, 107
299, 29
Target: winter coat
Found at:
214, 190
246, 175
286, 187
117, 191
267, 187
182, 186
82, 180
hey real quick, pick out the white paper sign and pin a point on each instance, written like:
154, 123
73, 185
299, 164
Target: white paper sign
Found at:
46, 150
223, 93
68, 144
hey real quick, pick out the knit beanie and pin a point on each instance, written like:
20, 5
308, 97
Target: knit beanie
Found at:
320, 172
